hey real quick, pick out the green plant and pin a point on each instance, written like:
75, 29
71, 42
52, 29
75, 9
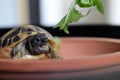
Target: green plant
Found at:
74, 15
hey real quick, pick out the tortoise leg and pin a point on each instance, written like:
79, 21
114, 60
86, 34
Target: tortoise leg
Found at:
18, 55
18, 51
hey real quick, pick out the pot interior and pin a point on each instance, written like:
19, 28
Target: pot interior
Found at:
77, 47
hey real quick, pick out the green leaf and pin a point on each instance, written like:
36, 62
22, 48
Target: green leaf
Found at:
74, 15
89, 3
85, 3
61, 22
99, 6
67, 19
95, 2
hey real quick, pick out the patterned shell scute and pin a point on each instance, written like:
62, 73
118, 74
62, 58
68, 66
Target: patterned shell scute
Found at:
10, 37
16, 35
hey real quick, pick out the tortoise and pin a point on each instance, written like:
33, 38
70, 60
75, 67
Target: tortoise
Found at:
28, 42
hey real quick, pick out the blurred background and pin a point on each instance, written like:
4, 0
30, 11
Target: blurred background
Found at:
50, 12
47, 13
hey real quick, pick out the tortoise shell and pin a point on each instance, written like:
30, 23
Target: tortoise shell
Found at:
28, 42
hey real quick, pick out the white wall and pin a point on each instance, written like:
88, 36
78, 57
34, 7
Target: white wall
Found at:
13, 12
8, 12
111, 16
52, 11
112, 12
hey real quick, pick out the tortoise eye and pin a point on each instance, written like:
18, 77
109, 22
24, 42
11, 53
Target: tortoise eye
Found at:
37, 40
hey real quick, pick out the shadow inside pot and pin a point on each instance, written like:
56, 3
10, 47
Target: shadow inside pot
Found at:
85, 47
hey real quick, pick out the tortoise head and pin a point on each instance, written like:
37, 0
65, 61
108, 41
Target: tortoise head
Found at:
38, 44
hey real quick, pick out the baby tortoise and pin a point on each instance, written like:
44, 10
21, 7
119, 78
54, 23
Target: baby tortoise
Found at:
28, 42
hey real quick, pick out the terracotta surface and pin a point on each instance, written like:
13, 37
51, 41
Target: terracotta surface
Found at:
83, 57
86, 47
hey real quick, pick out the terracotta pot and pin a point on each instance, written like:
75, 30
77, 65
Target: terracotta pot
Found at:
84, 58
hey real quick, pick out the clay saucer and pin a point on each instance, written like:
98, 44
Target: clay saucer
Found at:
82, 58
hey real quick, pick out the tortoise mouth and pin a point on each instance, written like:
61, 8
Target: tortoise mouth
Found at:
41, 49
